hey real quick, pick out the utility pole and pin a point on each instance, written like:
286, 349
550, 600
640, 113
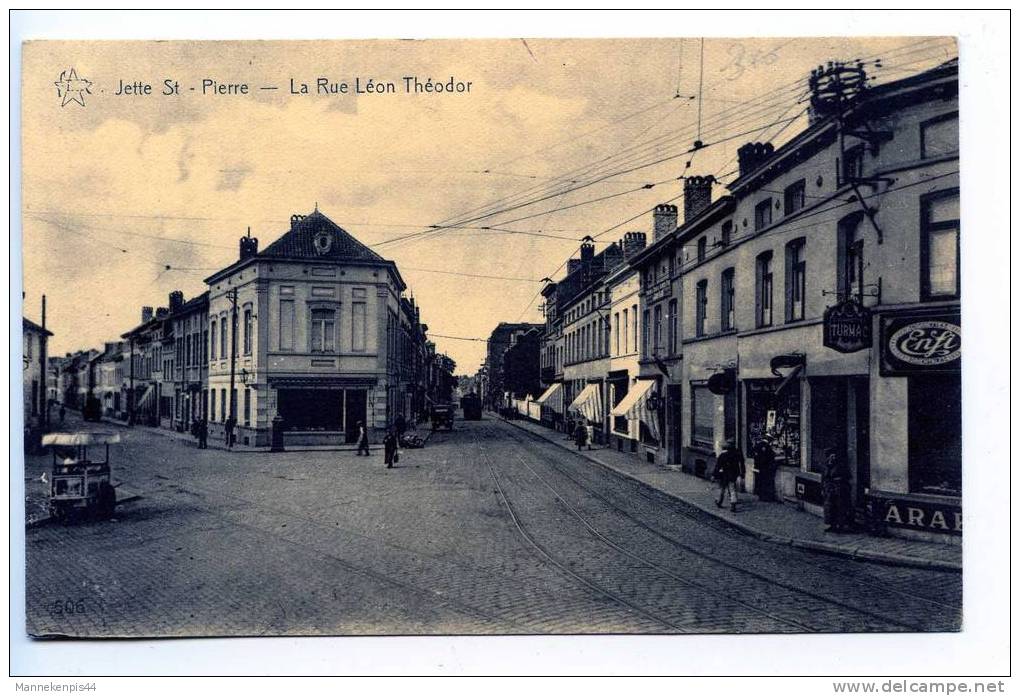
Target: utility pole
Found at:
233, 356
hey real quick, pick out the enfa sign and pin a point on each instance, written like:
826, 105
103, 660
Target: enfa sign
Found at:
847, 327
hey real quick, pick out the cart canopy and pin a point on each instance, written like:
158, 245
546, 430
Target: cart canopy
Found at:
79, 439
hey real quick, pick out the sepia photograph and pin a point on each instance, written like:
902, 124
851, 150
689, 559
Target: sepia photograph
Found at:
491, 337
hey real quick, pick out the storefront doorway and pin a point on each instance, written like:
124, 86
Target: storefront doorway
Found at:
840, 420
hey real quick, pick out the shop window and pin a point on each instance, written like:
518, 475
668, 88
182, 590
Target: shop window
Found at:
763, 215
701, 307
702, 416
323, 330
940, 136
795, 280
775, 414
940, 245
793, 198
727, 309
934, 428
763, 286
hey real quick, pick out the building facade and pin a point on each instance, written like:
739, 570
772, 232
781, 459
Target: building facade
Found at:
308, 330
822, 308
34, 377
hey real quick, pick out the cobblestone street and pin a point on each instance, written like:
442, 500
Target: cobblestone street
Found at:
486, 530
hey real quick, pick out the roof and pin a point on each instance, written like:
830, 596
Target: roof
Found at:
28, 324
299, 242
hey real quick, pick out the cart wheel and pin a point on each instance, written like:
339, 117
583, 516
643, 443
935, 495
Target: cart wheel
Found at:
107, 501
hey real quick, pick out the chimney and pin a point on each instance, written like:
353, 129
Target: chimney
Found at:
176, 301
587, 252
250, 245
664, 221
632, 243
146, 315
161, 313
751, 155
295, 219
697, 195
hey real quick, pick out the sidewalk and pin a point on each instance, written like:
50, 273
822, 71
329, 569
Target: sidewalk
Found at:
772, 522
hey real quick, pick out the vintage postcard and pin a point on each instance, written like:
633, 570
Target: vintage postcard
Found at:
515, 336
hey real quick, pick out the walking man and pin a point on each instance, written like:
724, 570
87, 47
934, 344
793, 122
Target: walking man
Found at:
581, 435
729, 467
228, 431
362, 439
391, 447
203, 434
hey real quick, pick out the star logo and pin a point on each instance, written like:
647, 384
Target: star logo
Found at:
71, 88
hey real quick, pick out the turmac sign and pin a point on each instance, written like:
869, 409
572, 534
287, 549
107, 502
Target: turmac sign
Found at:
847, 327
921, 342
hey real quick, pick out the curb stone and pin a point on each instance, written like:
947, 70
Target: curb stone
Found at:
855, 553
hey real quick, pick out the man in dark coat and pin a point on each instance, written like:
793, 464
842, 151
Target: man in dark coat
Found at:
836, 492
362, 439
390, 447
581, 435
765, 469
203, 434
729, 467
228, 431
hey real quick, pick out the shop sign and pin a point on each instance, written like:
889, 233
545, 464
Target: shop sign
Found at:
722, 383
847, 327
909, 512
920, 343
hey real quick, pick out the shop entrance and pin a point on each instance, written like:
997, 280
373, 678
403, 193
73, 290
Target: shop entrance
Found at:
323, 410
840, 419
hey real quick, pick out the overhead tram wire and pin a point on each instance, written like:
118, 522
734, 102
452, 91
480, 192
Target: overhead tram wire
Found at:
723, 115
432, 229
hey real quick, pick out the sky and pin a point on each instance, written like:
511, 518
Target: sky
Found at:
128, 198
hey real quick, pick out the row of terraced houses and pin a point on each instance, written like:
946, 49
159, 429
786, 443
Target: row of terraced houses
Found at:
814, 300
316, 332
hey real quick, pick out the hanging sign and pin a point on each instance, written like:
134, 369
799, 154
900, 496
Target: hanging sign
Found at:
847, 327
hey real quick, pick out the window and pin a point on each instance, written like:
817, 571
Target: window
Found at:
672, 265
626, 332
940, 136
286, 324
634, 315
223, 404
658, 329
853, 164
674, 333
358, 330
247, 406
205, 346
700, 307
702, 248
763, 285
940, 245
763, 215
323, 332
616, 333
187, 352
212, 339
212, 406
702, 416
851, 258
223, 338
726, 233
727, 319
247, 330
793, 198
644, 333
795, 278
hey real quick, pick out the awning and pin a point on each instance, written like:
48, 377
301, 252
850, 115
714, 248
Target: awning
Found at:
637, 393
81, 438
552, 397
635, 406
789, 376
588, 403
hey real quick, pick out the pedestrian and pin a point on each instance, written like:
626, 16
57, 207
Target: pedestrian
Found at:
729, 467
765, 469
401, 424
581, 435
589, 435
836, 492
63, 412
228, 431
203, 434
362, 439
391, 447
